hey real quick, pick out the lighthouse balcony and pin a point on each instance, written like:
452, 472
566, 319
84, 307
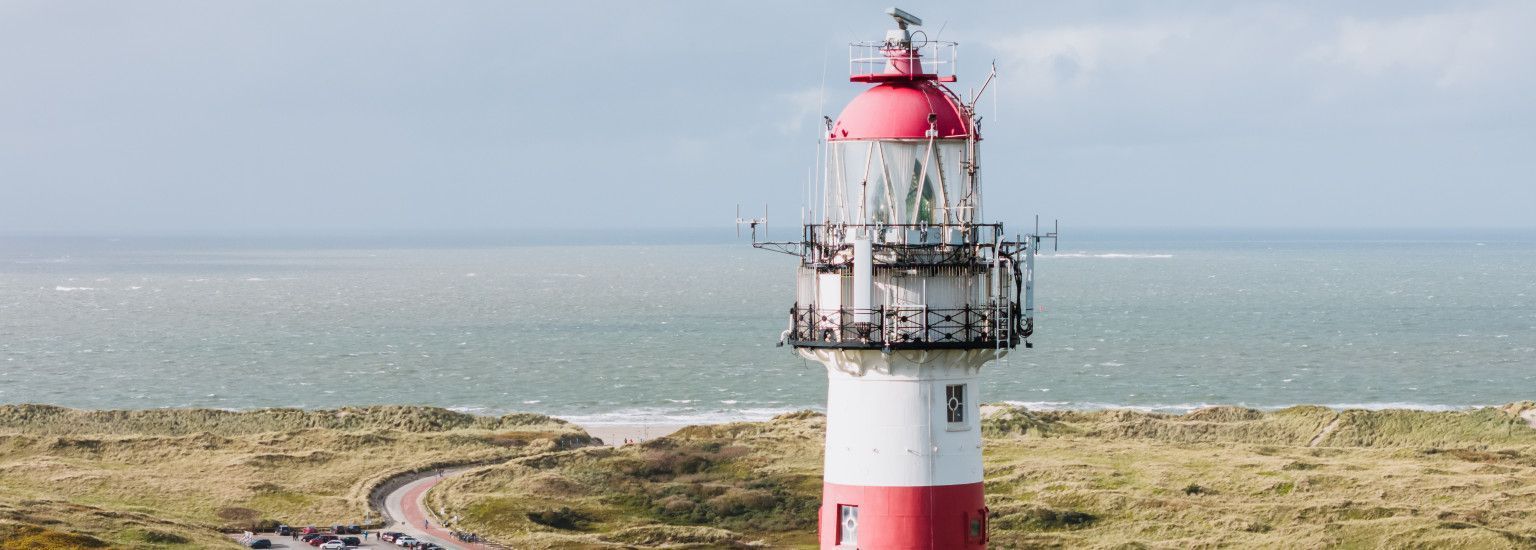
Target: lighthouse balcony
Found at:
905, 245
899, 328
880, 62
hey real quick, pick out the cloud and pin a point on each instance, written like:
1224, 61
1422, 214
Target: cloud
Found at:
1462, 49
1258, 69
797, 108
1058, 60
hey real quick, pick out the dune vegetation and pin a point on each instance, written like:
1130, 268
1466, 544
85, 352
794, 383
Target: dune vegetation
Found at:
174, 478
1303, 477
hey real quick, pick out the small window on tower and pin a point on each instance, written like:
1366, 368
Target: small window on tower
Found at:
847, 525
954, 403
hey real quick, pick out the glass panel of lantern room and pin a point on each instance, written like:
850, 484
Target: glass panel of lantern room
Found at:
896, 181
850, 164
948, 163
905, 192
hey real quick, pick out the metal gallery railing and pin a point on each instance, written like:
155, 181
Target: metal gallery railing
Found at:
905, 244
906, 327
921, 235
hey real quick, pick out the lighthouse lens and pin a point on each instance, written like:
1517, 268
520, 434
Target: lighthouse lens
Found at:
899, 182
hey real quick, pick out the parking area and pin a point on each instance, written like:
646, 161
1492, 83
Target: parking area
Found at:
332, 539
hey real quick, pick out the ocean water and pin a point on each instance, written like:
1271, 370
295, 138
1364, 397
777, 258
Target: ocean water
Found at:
686, 332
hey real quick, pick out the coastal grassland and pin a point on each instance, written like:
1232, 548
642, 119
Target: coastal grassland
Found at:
1301, 477
173, 478
703, 486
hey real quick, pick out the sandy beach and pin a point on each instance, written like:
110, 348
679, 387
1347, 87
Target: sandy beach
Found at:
616, 434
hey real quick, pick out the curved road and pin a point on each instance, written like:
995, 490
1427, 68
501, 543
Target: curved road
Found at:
404, 506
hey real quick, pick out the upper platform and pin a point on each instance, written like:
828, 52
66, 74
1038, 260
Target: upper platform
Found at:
898, 61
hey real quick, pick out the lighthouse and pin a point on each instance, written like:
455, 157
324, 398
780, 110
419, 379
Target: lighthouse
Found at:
904, 292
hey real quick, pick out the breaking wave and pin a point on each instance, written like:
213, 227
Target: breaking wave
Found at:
1181, 408
660, 415
1117, 255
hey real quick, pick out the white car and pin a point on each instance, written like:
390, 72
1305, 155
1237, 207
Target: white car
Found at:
334, 545
406, 540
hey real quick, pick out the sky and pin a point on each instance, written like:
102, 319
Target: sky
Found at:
386, 117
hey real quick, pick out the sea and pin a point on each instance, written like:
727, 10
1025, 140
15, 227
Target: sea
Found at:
681, 326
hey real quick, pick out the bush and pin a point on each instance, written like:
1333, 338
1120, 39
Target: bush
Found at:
1045, 519
159, 537
28, 536
563, 518
740, 501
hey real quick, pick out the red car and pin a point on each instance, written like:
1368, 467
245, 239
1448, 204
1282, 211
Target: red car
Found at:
322, 539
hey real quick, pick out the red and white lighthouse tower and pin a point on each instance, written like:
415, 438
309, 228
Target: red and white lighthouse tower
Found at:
903, 292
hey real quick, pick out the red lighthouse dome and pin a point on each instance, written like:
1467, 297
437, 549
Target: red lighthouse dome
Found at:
902, 110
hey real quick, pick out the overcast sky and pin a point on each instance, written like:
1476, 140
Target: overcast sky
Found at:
369, 116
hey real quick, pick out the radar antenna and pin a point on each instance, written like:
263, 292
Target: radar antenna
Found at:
788, 247
752, 223
1053, 235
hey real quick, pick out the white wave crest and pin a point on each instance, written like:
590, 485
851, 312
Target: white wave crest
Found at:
1432, 407
73, 288
1113, 255
1181, 408
674, 416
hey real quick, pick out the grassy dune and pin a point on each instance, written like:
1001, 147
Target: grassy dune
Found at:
1225, 476
169, 478
1218, 477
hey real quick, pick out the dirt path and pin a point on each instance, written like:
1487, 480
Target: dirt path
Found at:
1327, 430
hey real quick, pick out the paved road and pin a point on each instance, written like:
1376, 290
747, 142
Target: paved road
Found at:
404, 504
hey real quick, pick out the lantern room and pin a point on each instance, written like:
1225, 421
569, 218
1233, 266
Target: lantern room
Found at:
903, 152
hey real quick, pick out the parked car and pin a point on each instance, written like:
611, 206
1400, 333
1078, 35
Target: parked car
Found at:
354, 529
309, 537
322, 539
405, 540
284, 531
352, 541
389, 536
310, 529
259, 543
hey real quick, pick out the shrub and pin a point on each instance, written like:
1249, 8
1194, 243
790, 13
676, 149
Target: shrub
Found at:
739, 501
1040, 518
562, 518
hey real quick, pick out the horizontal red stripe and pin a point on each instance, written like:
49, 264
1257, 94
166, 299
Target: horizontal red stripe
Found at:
907, 518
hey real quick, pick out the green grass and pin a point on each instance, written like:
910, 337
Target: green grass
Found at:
107, 474
1217, 477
